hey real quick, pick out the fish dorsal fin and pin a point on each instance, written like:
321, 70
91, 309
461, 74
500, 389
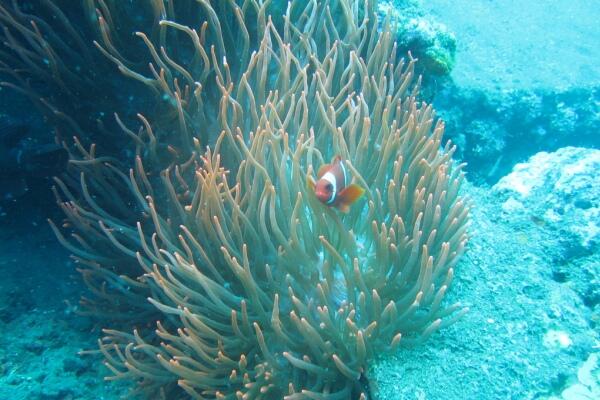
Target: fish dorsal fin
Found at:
323, 170
326, 167
350, 194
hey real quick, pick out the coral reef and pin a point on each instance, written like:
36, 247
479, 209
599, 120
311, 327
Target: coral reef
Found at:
535, 329
511, 93
558, 192
259, 290
495, 130
430, 41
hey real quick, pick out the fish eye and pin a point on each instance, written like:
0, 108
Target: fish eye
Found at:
329, 187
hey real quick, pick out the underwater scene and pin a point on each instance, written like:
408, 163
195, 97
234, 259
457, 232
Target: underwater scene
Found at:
299, 199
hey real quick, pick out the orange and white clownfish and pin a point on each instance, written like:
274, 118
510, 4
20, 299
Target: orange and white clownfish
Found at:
332, 187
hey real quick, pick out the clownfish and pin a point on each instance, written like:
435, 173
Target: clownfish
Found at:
332, 187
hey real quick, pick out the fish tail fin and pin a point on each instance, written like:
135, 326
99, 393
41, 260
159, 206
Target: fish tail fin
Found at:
350, 194
323, 170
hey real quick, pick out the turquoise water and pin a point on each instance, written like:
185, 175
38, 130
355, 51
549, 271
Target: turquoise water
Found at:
517, 84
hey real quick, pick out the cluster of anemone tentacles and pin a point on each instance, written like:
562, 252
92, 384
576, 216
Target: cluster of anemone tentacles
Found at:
223, 274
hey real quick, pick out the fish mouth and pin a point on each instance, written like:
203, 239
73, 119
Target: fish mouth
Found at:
323, 197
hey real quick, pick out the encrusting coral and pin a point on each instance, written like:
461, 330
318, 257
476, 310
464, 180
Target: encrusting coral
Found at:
259, 290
